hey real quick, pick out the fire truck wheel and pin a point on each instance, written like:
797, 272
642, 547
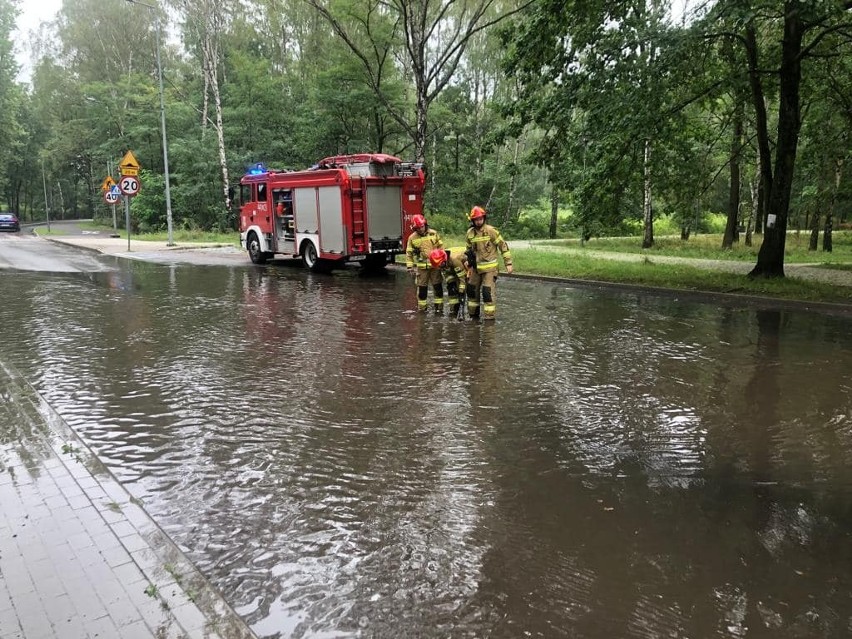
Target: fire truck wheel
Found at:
309, 256
257, 256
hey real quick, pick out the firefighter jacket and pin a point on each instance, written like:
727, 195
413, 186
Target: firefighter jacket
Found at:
419, 246
486, 242
456, 266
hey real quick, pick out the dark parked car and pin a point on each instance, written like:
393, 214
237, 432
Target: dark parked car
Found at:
9, 222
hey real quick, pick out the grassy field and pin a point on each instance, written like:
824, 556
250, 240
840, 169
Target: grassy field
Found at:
673, 276
709, 247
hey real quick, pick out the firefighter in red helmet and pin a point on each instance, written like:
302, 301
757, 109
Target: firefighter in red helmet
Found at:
484, 243
453, 264
420, 243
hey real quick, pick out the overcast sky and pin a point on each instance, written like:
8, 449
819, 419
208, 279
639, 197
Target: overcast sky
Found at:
33, 13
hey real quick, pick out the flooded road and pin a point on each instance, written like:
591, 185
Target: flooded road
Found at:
595, 464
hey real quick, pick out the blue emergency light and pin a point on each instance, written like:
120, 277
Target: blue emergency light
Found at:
257, 169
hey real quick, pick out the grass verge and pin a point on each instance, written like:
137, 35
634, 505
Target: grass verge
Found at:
672, 276
709, 247
179, 235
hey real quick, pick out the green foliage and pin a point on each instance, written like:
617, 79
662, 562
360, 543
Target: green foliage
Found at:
449, 224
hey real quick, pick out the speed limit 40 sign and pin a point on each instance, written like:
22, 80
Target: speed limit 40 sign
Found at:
129, 184
110, 197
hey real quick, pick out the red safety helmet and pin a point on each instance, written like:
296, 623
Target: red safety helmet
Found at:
476, 212
417, 221
437, 258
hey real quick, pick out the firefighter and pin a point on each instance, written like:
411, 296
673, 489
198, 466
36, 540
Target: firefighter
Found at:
420, 243
484, 242
453, 264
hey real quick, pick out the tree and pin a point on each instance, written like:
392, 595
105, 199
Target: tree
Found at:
804, 27
602, 80
435, 35
10, 98
205, 19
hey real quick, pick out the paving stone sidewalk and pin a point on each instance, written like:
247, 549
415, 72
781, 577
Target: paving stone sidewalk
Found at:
79, 558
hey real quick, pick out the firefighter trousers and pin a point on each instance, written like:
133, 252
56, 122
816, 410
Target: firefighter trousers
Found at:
482, 294
425, 278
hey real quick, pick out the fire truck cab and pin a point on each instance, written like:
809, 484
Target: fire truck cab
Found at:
344, 208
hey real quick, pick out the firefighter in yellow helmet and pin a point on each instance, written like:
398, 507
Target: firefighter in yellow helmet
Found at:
484, 242
420, 243
453, 263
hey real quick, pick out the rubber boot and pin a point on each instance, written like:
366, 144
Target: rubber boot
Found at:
422, 303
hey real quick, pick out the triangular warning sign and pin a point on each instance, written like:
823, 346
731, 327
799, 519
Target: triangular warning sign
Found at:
129, 162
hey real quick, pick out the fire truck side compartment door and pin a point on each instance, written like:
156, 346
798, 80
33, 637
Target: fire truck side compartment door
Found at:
331, 220
384, 213
305, 208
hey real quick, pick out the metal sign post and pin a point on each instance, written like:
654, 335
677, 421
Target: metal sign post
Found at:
127, 219
129, 185
114, 219
111, 195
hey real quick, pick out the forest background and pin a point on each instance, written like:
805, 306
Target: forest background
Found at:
564, 118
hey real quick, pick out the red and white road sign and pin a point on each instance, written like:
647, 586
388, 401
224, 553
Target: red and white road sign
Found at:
110, 197
129, 184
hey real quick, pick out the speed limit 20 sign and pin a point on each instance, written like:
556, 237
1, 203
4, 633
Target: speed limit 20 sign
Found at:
129, 184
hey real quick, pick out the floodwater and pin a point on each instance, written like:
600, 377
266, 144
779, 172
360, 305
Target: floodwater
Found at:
595, 464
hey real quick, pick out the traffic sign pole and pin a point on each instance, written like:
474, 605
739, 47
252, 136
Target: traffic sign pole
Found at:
109, 183
128, 184
127, 219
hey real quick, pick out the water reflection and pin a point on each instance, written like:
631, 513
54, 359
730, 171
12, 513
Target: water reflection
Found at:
592, 465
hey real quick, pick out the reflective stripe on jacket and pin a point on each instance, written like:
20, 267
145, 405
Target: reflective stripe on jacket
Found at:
486, 242
419, 246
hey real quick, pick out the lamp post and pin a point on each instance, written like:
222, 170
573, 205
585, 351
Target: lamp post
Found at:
162, 121
46, 209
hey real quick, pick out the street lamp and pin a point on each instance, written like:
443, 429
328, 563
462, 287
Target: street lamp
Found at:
162, 121
46, 209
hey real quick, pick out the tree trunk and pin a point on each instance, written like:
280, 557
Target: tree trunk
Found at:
211, 55
513, 181
648, 213
760, 206
755, 201
770, 259
554, 211
827, 243
813, 241
731, 235
761, 127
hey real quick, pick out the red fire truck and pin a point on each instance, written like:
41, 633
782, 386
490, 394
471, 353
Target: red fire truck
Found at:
344, 208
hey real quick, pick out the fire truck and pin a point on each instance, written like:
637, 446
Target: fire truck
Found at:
346, 208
